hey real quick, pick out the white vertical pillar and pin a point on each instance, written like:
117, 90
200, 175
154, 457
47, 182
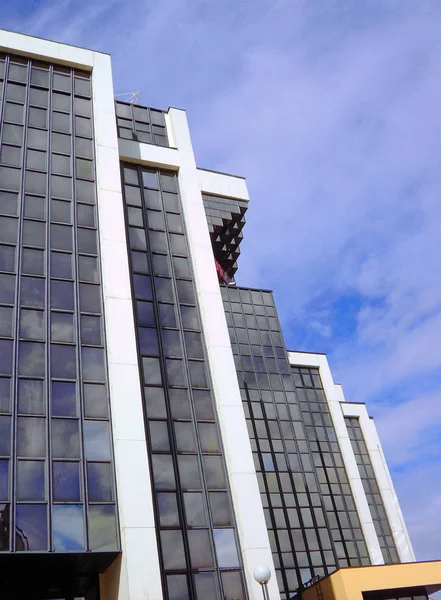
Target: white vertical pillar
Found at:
139, 575
250, 518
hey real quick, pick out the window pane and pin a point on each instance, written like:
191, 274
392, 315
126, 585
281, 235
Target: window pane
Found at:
95, 400
63, 361
32, 291
5, 435
185, 439
179, 403
171, 342
31, 480
36, 160
167, 315
14, 112
163, 472
61, 237
200, 549
61, 265
186, 292
31, 527
10, 155
91, 330
96, 440
37, 138
8, 203
177, 587
86, 215
32, 324
31, 396
209, 438
232, 584
5, 395
8, 230
35, 183
66, 482
164, 289
4, 484
150, 179
64, 402
6, 357
12, 134
159, 436
93, 364
34, 233
99, 479
151, 370
89, 268
33, 261
61, 211
168, 510
198, 376
90, 298
31, 436
148, 341
35, 207
173, 549
175, 372
65, 438
61, 101
189, 472
87, 241
220, 508
193, 342
62, 329
61, 164
83, 126
102, 528
226, 550
194, 510
61, 122
214, 472
6, 313
206, 585
68, 528
31, 358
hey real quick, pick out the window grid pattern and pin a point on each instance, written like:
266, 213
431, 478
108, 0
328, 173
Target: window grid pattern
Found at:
141, 124
57, 488
295, 514
372, 491
340, 507
195, 523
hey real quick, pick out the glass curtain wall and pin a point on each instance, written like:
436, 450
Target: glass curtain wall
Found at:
370, 485
196, 534
57, 489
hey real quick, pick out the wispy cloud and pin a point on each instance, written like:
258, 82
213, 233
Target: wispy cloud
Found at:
332, 112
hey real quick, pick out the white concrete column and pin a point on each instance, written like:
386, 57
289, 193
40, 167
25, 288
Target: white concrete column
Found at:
137, 575
248, 509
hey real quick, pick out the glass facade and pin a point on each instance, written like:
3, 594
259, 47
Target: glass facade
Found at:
373, 495
328, 462
57, 488
141, 124
197, 541
311, 533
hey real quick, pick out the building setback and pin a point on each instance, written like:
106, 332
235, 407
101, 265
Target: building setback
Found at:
157, 439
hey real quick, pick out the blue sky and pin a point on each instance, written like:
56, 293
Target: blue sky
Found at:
332, 110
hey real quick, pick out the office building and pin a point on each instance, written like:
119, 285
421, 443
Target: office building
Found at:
157, 439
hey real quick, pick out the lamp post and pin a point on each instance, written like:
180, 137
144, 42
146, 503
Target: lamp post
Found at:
262, 575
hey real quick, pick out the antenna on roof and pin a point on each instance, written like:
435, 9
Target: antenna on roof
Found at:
130, 97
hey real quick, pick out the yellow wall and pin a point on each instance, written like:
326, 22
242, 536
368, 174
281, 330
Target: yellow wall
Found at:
348, 584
